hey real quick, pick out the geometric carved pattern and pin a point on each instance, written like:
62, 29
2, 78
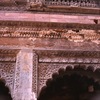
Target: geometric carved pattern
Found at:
45, 5
35, 73
17, 77
7, 67
73, 3
68, 53
69, 56
46, 70
29, 29
71, 35
50, 61
63, 5
7, 71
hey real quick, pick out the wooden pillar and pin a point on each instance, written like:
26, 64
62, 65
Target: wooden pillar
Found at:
23, 76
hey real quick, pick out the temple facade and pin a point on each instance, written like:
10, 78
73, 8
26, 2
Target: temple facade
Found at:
49, 50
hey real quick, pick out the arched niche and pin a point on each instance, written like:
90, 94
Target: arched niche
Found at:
4, 91
72, 84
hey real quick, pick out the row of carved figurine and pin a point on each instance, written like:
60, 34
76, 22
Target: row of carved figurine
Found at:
87, 3
76, 3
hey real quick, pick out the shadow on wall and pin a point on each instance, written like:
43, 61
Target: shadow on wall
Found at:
4, 92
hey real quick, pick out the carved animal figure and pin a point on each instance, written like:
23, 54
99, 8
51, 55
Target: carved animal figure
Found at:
36, 5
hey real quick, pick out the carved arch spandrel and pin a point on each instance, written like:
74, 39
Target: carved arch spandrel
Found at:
46, 71
7, 71
7, 67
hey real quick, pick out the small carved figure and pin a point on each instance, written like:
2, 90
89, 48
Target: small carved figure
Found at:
32, 5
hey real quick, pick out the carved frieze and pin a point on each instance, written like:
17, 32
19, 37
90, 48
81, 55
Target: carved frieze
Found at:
69, 56
73, 3
76, 35
36, 5
72, 6
46, 25
8, 55
82, 6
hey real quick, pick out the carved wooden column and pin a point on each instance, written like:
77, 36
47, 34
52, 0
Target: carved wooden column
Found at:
23, 75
